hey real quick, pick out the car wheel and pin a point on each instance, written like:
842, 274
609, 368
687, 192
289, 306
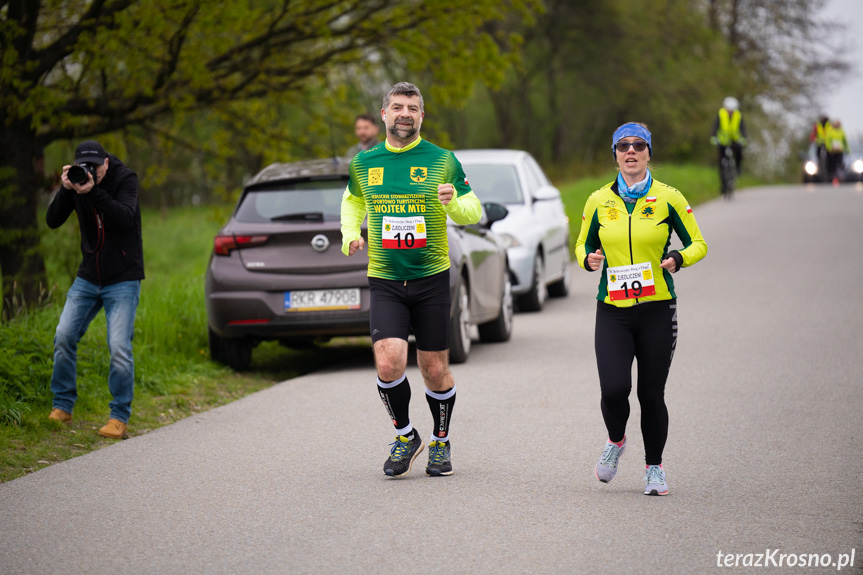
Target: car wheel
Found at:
237, 353
535, 298
500, 329
459, 325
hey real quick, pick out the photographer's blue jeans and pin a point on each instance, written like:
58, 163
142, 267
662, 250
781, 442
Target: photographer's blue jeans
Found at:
83, 302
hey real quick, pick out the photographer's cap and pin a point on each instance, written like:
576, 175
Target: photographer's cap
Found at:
90, 151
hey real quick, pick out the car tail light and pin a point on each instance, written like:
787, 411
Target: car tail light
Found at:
222, 245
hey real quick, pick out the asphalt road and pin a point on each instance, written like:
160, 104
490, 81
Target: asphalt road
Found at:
764, 450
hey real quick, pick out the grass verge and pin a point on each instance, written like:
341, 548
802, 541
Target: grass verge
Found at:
174, 377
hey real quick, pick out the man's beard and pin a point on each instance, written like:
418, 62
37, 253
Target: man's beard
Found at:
403, 132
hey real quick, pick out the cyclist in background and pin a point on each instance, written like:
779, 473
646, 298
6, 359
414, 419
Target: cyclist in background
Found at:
837, 147
729, 130
818, 136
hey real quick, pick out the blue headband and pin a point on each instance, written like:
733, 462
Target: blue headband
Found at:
628, 130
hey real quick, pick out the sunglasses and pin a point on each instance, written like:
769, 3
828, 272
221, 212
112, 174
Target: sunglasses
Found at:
624, 146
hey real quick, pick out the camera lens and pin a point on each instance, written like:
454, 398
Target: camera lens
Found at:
77, 175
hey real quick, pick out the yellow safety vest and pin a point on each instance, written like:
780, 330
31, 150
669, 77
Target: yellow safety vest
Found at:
821, 132
835, 139
729, 127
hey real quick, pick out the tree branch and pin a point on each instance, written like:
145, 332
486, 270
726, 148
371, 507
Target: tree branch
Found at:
97, 17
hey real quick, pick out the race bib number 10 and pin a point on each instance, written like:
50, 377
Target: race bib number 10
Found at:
403, 233
630, 282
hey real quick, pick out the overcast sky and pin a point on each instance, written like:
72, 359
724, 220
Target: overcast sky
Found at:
846, 103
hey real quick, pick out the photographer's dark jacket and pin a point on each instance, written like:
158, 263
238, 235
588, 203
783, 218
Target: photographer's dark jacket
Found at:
109, 217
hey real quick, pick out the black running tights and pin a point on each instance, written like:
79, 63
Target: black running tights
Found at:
648, 333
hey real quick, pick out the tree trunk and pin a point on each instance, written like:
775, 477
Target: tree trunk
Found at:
21, 266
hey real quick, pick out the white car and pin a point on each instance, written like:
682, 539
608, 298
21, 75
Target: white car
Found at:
536, 231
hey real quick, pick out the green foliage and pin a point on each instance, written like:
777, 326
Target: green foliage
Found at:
590, 66
233, 86
210, 90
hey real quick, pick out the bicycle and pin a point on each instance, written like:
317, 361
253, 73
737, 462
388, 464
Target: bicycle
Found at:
728, 173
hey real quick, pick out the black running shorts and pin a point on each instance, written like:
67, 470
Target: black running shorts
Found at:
421, 305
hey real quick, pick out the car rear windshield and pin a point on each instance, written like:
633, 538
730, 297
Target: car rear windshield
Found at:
494, 183
315, 200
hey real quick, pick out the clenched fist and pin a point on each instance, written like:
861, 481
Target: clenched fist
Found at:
445, 192
355, 245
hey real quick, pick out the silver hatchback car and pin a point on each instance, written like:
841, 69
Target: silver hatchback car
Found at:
536, 230
277, 271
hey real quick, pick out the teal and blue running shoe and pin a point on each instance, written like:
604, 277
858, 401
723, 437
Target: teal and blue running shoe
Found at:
606, 469
655, 478
404, 451
439, 461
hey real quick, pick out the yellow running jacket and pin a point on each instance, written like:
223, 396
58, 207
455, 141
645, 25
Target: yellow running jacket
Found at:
634, 243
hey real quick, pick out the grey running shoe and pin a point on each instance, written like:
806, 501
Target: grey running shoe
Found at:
606, 469
439, 461
402, 455
655, 478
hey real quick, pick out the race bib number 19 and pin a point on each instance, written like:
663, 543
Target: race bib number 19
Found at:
403, 233
630, 282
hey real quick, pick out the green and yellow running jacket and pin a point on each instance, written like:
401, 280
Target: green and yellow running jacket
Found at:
397, 188
634, 239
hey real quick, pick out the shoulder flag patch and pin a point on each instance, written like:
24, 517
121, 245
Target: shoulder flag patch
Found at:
583, 216
688, 210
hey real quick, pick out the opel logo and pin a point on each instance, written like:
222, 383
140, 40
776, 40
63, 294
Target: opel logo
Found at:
320, 243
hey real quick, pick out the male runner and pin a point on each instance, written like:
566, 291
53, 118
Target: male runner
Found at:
408, 187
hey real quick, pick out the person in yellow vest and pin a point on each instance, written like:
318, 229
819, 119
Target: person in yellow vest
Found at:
818, 136
837, 147
729, 130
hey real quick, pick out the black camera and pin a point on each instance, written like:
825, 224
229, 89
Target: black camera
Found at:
78, 174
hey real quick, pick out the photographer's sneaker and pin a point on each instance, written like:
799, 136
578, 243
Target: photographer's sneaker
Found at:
655, 478
439, 461
60, 415
606, 469
404, 451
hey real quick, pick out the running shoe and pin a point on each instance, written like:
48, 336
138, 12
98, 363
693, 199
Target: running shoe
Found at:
655, 478
404, 451
606, 469
439, 461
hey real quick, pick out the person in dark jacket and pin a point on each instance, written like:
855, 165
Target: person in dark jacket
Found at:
110, 274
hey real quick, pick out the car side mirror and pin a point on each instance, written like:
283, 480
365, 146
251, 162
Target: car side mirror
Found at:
494, 213
545, 193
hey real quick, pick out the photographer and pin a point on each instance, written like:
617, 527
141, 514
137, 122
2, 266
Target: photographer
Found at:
104, 194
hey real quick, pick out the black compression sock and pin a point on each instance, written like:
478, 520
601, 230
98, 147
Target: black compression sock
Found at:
396, 396
441, 405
